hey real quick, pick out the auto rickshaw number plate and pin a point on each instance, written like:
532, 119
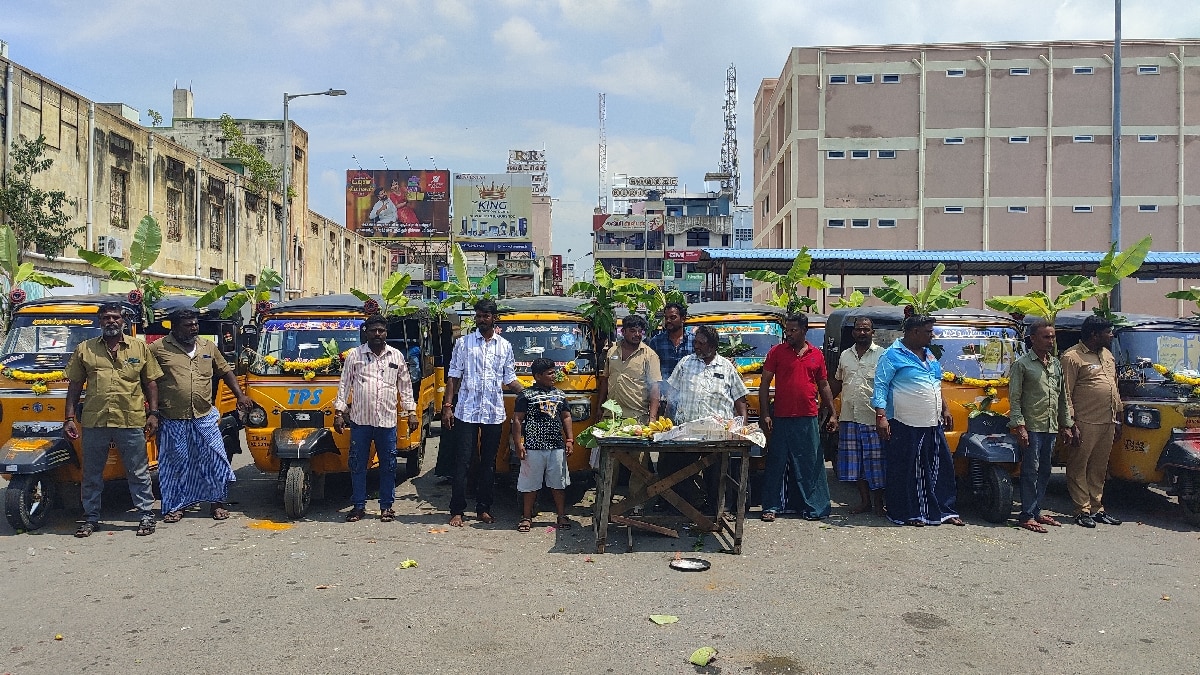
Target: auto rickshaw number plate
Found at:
303, 417
1191, 422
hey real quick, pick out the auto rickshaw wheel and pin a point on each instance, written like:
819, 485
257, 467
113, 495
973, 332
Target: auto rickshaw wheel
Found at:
27, 501
297, 490
995, 499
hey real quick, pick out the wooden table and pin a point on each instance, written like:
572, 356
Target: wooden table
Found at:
623, 451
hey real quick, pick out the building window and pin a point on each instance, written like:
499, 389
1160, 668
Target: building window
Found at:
1147, 280
860, 222
865, 290
1082, 138
956, 72
1082, 208
118, 199
1147, 208
1018, 278
216, 274
251, 281
864, 78
1018, 71
838, 79
743, 235
725, 241
174, 214
886, 222
952, 209
835, 154
697, 237
174, 169
953, 140
1018, 139
834, 291
885, 154
215, 226
835, 222
1147, 70
951, 278
670, 240
1147, 138
1083, 70
860, 154
1018, 209
890, 78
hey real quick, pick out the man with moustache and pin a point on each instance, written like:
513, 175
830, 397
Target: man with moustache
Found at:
860, 452
119, 372
192, 464
631, 376
1094, 403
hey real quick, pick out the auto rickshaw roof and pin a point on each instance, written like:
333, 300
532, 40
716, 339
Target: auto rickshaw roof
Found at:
541, 303
164, 307
94, 299
1073, 320
720, 307
340, 302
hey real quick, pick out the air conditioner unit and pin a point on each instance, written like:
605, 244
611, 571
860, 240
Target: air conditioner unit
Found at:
110, 246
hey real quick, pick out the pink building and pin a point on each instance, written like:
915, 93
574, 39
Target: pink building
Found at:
1001, 146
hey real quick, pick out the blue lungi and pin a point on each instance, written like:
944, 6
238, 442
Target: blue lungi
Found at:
920, 475
192, 464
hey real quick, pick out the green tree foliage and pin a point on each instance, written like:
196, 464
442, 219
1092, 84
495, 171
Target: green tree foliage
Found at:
788, 287
14, 273
395, 302
237, 296
143, 252
156, 117
605, 294
262, 177
926, 300
460, 288
855, 299
35, 215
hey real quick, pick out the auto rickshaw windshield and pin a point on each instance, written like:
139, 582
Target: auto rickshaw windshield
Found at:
559, 341
747, 343
1178, 350
302, 340
46, 341
984, 352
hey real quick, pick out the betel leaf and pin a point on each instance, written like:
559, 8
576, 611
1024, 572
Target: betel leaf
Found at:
613, 407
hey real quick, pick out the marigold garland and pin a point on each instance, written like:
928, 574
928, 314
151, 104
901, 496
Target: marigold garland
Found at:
955, 378
37, 381
1178, 378
750, 368
307, 368
560, 375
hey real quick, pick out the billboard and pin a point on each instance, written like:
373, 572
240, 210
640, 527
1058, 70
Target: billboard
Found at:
493, 207
531, 162
398, 204
616, 222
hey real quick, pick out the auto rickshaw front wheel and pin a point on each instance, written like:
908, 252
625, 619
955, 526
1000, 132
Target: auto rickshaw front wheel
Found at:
28, 499
297, 489
994, 491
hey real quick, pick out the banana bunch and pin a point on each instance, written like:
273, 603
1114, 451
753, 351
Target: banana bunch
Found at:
661, 424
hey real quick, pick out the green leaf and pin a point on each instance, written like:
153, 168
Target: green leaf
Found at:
764, 275
215, 293
1118, 266
8, 250
46, 281
359, 294
115, 269
1022, 304
459, 267
663, 619
147, 244
235, 305
1193, 294
388, 290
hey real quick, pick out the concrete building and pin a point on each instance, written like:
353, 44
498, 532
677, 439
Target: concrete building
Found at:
1003, 146
118, 171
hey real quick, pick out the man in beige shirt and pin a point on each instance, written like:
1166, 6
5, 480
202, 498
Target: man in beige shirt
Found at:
631, 377
1090, 378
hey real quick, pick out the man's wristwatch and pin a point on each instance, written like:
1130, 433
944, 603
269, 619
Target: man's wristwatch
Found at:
155, 413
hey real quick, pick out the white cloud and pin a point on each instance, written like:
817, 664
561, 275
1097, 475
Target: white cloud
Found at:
521, 38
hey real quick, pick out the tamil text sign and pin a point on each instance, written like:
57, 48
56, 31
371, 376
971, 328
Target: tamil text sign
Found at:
616, 222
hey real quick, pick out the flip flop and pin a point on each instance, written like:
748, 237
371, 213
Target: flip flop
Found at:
487, 518
1033, 526
1047, 520
387, 515
217, 513
768, 516
355, 515
957, 521
564, 523
173, 517
86, 529
524, 525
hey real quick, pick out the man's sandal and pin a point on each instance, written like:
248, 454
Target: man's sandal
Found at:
218, 512
524, 525
387, 515
86, 529
1032, 526
564, 523
173, 517
768, 516
146, 527
355, 515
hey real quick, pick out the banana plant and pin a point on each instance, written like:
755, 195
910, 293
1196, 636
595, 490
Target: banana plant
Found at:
395, 302
237, 296
855, 299
929, 298
787, 291
460, 289
605, 294
1191, 295
13, 273
143, 252
1077, 288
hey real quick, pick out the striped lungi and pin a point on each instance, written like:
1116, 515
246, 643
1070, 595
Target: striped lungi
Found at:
860, 455
192, 465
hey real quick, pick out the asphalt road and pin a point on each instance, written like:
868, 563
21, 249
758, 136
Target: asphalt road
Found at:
257, 594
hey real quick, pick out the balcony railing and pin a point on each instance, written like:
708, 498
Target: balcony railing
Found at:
627, 247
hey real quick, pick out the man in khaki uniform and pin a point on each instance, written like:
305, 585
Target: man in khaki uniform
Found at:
631, 377
119, 372
1090, 378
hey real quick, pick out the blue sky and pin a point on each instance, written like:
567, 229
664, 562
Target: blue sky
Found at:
464, 82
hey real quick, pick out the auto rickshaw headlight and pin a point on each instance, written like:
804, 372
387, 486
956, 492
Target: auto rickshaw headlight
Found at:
580, 411
257, 417
1142, 417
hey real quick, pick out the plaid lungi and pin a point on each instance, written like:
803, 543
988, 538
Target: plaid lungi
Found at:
860, 455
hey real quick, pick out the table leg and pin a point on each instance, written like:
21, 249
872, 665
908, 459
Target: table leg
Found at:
604, 495
739, 522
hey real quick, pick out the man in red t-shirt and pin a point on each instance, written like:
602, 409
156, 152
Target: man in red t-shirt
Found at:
791, 421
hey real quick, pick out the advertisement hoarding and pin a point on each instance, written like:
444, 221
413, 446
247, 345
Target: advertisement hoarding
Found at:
683, 256
617, 222
556, 266
493, 207
531, 162
398, 204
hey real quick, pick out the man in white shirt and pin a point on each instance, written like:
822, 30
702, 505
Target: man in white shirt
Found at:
481, 368
374, 377
860, 452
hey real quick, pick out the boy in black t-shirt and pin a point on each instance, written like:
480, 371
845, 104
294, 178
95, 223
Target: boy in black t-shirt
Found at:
542, 428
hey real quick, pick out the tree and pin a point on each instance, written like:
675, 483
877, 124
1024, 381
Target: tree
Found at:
460, 288
143, 252
855, 299
787, 293
13, 274
925, 301
156, 117
605, 294
395, 301
238, 295
35, 215
262, 177
1077, 288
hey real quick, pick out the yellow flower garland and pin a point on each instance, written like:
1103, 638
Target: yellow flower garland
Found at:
750, 368
307, 368
1178, 378
955, 378
37, 381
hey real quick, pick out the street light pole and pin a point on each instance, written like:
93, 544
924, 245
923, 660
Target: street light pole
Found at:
284, 238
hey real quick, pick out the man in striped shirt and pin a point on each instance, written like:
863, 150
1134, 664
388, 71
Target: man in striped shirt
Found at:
374, 378
481, 368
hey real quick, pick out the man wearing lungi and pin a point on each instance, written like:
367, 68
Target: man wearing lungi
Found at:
860, 452
192, 464
911, 416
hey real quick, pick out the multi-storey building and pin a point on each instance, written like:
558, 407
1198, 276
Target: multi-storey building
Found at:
1003, 146
118, 171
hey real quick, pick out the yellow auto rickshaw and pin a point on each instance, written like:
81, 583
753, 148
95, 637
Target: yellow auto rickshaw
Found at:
42, 465
292, 377
976, 349
1158, 368
552, 327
